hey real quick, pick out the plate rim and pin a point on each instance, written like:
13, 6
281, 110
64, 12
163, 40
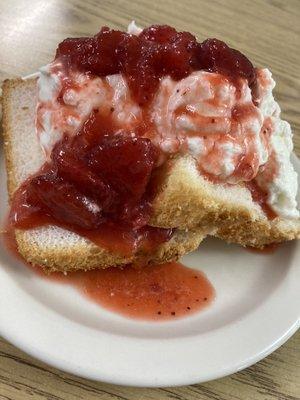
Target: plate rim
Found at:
41, 352
40, 348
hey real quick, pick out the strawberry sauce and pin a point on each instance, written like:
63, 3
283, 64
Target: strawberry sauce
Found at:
267, 249
157, 292
158, 51
260, 197
99, 182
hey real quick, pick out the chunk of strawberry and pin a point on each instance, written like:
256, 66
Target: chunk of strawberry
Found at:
126, 163
75, 171
215, 56
64, 202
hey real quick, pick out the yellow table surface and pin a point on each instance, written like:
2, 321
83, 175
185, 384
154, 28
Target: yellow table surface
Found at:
268, 33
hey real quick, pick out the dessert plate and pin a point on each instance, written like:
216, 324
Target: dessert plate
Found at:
256, 309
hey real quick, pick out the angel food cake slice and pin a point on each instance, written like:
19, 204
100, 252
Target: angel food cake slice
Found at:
142, 140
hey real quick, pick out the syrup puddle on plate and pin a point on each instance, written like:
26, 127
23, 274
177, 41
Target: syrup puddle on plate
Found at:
157, 292
268, 249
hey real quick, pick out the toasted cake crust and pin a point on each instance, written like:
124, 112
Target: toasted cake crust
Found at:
187, 200
78, 253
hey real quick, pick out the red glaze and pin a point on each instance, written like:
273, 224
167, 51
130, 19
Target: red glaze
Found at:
215, 56
267, 249
157, 292
7, 238
98, 182
158, 51
260, 197
98, 185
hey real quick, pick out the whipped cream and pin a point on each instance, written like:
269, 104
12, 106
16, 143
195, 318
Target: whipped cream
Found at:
282, 186
133, 29
204, 114
56, 117
201, 106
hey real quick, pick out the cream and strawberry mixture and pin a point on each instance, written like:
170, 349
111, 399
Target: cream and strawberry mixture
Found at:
233, 136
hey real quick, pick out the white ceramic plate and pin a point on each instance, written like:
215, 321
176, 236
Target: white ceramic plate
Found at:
257, 308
